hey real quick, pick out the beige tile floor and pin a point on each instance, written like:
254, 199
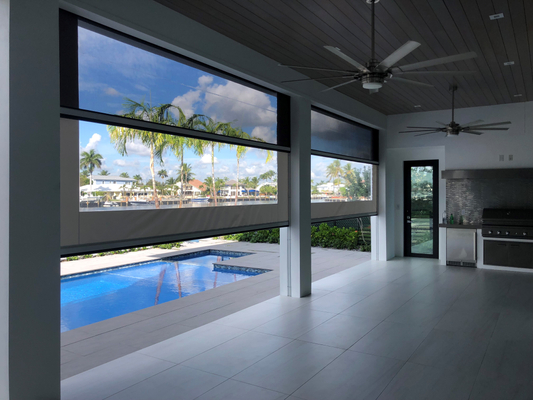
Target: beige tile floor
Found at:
92, 345
402, 329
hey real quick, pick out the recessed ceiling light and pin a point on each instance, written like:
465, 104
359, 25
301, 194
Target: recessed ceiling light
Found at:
418, 106
496, 16
508, 63
518, 95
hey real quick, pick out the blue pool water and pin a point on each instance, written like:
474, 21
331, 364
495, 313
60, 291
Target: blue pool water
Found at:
94, 297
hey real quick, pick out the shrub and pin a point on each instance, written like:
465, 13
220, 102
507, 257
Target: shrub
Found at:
322, 236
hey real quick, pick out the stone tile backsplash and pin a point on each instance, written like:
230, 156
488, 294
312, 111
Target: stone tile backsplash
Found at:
473, 195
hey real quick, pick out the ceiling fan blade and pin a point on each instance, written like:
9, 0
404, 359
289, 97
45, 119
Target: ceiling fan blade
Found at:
315, 68
423, 127
398, 54
422, 130
487, 125
429, 133
318, 79
473, 122
339, 53
438, 61
474, 132
467, 129
336, 86
401, 80
441, 73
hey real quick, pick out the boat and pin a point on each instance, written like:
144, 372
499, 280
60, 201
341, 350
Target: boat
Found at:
200, 199
140, 202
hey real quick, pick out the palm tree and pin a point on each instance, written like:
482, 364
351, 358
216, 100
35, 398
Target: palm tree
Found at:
179, 143
188, 175
138, 178
104, 172
89, 161
125, 175
240, 151
155, 141
246, 184
334, 171
267, 175
210, 125
254, 182
162, 173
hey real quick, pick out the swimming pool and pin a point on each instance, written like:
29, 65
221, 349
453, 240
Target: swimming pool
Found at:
96, 296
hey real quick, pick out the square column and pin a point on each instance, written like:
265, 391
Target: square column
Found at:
295, 241
29, 203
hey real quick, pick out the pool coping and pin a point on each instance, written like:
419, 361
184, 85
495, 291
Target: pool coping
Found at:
191, 253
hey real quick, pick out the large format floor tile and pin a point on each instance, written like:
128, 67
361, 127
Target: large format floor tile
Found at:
108, 379
295, 323
290, 367
233, 390
452, 351
392, 339
341, 331
192, 343
352, 376
237, 354
421, 382
176, 382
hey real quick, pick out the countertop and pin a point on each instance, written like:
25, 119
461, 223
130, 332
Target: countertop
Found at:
457, 226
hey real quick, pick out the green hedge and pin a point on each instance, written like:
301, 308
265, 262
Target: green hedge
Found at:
322, 236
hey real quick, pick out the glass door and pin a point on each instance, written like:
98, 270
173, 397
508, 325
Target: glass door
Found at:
421, 201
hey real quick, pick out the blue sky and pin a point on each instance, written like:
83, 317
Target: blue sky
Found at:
111, 71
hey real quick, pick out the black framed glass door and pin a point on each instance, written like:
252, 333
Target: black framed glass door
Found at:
421, 203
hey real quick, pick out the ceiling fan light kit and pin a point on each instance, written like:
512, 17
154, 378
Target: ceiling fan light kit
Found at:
374, 74
453, 128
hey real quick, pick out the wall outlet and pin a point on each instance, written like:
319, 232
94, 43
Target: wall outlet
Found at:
502, 157
510, 157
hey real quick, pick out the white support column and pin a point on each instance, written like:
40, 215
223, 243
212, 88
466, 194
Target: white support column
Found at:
295, 241
32, 212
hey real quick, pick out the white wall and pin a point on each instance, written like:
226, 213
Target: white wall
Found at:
462, 152
472, 151
4, 200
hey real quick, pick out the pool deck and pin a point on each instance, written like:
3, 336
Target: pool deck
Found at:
92, 345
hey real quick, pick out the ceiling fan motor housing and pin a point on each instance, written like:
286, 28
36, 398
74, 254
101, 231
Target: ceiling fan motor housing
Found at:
373, 80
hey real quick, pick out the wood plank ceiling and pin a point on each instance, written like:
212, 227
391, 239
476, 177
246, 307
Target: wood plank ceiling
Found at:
294, 32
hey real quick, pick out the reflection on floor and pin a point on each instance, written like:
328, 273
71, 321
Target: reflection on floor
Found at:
402, 329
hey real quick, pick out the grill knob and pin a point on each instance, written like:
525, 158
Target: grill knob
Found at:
498, 233
490, 232
524, 233
507, 233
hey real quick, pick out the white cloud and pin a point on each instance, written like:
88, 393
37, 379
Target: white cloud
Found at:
205, 80
222, 169
313, 175
206, 159
138, 148
264, 132
93, 142
232, 102
187, 102
141, 87
124, 163
112, 92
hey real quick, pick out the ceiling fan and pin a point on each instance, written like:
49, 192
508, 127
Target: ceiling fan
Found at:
374, 74
453, 128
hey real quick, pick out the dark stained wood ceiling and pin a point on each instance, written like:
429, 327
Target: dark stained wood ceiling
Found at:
294, 32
